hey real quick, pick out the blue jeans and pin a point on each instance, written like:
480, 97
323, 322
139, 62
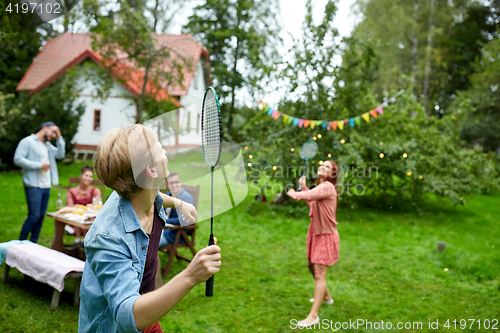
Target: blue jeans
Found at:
38, 200
163, 240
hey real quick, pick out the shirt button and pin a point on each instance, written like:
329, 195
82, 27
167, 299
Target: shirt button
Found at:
143, 247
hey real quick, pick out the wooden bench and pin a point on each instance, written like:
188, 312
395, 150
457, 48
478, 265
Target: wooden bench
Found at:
47, 266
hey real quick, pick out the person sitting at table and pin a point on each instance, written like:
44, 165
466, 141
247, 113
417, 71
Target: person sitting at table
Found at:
82, 195
176, 191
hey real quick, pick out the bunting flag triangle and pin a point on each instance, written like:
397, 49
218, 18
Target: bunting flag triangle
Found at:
366, 117
340, 123
351, 122
303, 123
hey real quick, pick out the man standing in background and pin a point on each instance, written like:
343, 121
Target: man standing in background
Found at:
36, 156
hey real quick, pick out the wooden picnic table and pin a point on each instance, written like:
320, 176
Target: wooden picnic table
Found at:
60, 222
78, 251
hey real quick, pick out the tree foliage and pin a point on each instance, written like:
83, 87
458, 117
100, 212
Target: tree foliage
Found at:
463, 46
17, 51
241, 36
434, 42
482, 100
21, 116
127, 35
398, 159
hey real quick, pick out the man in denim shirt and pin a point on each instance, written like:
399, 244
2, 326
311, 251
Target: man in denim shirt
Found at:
35, 155
117, 292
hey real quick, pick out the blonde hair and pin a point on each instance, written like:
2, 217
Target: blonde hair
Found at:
113, 163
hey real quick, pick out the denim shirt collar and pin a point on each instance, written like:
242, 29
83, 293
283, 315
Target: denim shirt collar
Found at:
130, 220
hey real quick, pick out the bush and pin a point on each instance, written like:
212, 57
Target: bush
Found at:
421, 155
21, 116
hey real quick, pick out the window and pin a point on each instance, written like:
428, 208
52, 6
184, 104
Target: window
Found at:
188, 127
97, 120
195, 78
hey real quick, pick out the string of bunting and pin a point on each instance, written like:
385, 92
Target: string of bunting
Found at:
340, 124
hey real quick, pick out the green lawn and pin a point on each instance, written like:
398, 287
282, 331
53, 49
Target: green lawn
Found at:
389, 269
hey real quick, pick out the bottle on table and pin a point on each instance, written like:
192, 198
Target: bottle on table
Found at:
59, 202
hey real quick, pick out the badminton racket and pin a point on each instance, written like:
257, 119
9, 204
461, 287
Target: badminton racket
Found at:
211, 139
307, 152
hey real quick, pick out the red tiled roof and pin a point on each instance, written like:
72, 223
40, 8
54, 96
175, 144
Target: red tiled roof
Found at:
69, 49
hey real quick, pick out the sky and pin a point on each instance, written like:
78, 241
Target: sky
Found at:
292, 15
293, 11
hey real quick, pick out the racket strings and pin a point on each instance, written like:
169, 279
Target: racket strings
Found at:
211, 129
309, 150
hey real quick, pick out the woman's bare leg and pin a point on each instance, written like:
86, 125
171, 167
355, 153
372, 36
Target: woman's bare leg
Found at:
327, 294
319, 291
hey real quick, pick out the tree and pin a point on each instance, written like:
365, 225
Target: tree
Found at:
241, 36
20, 113
464, 45
434, 42
482, 100
12, 128
126, 39
21, 116
394, 161
17, 51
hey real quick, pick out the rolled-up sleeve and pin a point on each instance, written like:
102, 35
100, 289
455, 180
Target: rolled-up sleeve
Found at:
60, 150
111, 262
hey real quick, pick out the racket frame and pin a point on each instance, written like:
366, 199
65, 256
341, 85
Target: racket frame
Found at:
209, 291
202, 125
307, 159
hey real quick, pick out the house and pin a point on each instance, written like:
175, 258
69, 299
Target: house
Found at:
117, 111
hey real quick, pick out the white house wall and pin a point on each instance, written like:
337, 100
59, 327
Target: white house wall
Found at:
119, 112
194, 97
116, 112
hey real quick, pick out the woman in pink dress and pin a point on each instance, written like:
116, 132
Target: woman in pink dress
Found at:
82, 194
322, 236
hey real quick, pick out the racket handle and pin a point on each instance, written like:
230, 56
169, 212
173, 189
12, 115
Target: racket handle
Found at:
300, 187
209, 291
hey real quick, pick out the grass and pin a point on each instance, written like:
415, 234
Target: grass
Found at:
389, 269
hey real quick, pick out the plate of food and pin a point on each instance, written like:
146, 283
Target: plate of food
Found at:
66, 210
75, 217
